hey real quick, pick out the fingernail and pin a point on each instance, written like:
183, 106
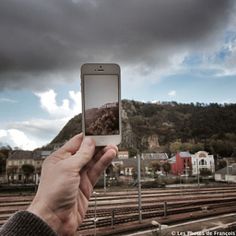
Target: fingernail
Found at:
115, 148
114, 151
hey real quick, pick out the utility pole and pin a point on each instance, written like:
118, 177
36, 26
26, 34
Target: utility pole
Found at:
227, 171
104, 181
95, 213
139, 188
198, 183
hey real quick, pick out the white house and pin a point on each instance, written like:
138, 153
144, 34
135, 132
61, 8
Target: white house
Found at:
202, 160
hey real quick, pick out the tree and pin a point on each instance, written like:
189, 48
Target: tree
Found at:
166, 167
221, 164
134, 173
27, 171
222, 147
2, 163
175, 147
155, 165
132, 152
11, 170
4, 152
197, 147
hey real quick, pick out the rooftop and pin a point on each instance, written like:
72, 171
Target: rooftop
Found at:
184, 154
231, 170
25, 155
20, 155
155, 156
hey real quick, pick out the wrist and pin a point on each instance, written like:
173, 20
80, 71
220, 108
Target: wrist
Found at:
44, 213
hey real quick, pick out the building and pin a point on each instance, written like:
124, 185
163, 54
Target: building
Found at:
123, 155
227, 174
158, 156
202, 161
151, 159
18, 158
128, 166
181, 164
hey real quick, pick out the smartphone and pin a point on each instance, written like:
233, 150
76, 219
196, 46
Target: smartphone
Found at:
101, 102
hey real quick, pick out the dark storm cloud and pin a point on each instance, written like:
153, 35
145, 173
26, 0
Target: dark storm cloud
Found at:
40, 38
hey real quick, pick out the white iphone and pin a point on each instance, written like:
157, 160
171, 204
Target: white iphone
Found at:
101, 102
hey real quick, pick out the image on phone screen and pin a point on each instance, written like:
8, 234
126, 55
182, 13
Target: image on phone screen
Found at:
101, 98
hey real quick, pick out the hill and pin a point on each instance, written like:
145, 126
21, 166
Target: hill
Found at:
171, 127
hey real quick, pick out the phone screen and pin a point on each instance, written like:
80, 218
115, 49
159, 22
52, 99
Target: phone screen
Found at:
101, 104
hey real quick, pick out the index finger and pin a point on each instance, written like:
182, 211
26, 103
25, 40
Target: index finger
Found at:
72, 146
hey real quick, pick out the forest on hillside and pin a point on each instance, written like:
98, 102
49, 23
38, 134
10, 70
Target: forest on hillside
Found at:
190, 127
179, 127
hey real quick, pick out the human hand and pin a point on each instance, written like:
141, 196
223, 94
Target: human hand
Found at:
67, 180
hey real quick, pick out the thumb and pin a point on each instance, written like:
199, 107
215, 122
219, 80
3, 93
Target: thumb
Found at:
84, 154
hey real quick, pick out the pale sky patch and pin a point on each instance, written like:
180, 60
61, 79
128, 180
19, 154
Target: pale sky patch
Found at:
172, 93
17, 138
7, 100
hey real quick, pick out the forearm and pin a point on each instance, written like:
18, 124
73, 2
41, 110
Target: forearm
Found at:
26, 223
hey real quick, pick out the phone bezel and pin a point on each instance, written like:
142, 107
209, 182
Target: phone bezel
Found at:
101, 69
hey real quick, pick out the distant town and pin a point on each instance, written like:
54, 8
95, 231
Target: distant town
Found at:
157, 168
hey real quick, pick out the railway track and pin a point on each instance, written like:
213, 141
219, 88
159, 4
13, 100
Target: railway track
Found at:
129, 215
115, 209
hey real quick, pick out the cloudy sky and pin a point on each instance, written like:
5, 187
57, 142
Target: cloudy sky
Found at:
168, 50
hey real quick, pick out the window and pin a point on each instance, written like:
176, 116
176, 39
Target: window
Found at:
202, 162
